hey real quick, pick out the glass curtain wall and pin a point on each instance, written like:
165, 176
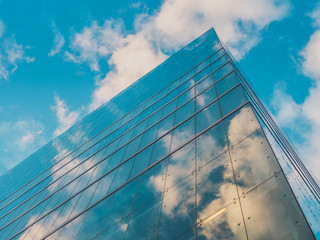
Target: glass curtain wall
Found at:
180, 154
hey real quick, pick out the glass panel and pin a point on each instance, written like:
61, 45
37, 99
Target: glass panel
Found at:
253, 161
149, 136
141, 161
140, 128
161, 148
227, 83
188, 235
227, 223
184, 112
183, 133
186, 85
152, 184
178, 209
210, 144
271, 212
203, 73
201, 86
89, 224
241, 124
186, 76
115, 231
181, 164
218, 54
121, 175
204, 64
185, 97
205, 98
154, 118
144, 221
166, 124
122, 204
215, 186
221, 72
169, 108
221, 61
232, 100
207, 117
126, 137
132, 147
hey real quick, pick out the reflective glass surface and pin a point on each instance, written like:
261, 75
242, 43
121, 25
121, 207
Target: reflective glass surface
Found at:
180, 154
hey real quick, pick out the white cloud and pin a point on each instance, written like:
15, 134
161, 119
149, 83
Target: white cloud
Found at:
66, 118
287, 109
311, 55
130, 62
58, 41
11, 54
18, 139
95, 42
27, 138
237, 22
176, 23
304, 119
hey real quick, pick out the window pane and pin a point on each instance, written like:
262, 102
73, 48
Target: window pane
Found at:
184, 112
271, 212
185, 97
241, 124
227, 223
183, 133
208, 116
161, 148
206, 97
152, 184
178, 209
232, 100
253, 161
222, 71
201, 86
227, 83
215, 185
181, 164
144, 221
210, 144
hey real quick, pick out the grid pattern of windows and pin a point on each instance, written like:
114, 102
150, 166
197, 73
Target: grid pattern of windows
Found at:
189, 161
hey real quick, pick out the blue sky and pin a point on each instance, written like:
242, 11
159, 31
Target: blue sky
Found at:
60, 60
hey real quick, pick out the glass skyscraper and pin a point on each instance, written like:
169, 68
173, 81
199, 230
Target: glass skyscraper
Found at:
186, 152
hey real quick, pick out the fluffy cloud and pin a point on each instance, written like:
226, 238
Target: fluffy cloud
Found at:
94, 43
287, 109
304, 119
66, 118
130, 62
19, 139
311, 57
238, 23
11, 54
176, 23
58, 41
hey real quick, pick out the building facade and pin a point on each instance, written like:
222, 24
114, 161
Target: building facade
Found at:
186, 152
